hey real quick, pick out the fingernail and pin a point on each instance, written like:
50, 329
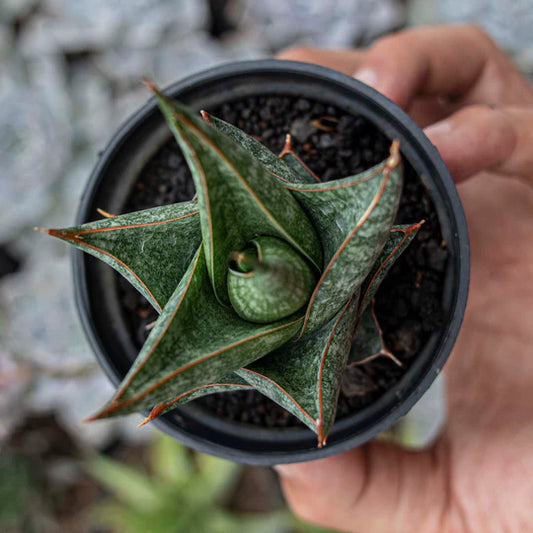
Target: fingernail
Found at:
367, 75
443, 127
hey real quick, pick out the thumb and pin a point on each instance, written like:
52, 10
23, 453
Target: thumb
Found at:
378, 487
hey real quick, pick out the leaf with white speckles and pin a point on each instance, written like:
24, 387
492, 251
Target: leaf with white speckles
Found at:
151, 249
353, 217
305, 376
194, 342
237, 197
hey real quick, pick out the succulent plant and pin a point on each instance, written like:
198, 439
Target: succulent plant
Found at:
264, 280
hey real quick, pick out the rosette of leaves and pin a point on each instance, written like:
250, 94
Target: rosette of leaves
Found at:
260, 281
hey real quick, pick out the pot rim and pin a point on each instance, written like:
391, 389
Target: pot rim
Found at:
442, 189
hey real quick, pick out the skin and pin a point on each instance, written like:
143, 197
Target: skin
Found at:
478, 476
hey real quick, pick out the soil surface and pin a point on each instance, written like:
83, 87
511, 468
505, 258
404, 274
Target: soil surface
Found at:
334, 145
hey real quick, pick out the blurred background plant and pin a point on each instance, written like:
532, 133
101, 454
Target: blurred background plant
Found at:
182, 491
69, 75
162, 488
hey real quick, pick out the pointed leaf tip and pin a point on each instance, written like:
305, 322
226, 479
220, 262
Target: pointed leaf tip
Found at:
151, 248
304, 377
104, 213
394, 158
206, 116
280, 169
295, 162
154, 413
287, 147
150, 84
60, 233
416, 226
42, 230
354, 216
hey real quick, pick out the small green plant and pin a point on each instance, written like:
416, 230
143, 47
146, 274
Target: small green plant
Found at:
261, 281
182, 492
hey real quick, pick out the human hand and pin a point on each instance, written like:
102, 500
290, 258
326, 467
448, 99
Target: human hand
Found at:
478, 476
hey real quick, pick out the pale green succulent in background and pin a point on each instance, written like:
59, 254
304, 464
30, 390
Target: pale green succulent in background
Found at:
261, 281
182, 491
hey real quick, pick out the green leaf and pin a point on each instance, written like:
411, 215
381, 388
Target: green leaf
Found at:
228, 383
169, 517
238, 198
368, 342
130, 486
170, 462
194, 342
276, 282
116, 516
278, 166
304, 377
288, 167
18, 491
151, 249
215, 476
399, 239
353, 217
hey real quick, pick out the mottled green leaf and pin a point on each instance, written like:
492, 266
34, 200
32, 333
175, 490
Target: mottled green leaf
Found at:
399, 239
227, 383
194, 342
276, 165
304, 376
277, 282
151, 249
303, 172
353, 217
237, 197
288, 167
368, 342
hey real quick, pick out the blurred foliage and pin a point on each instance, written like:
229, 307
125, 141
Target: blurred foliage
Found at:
22, 509
183, 491
162, 488
14, 491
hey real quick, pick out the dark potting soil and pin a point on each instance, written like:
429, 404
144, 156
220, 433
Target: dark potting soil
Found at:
333, 144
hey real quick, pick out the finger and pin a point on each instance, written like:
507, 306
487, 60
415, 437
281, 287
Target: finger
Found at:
481, 138
377, 487
457, 62
428, 110
346, 61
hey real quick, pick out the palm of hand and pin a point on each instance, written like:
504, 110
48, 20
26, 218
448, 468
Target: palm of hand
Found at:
491, 370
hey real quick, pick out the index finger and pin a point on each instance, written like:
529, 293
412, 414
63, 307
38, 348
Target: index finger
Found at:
457, 62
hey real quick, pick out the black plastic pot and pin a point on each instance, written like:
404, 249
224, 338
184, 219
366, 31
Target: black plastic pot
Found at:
119, 165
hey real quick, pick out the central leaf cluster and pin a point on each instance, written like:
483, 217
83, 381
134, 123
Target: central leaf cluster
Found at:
261, 281
269, 281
